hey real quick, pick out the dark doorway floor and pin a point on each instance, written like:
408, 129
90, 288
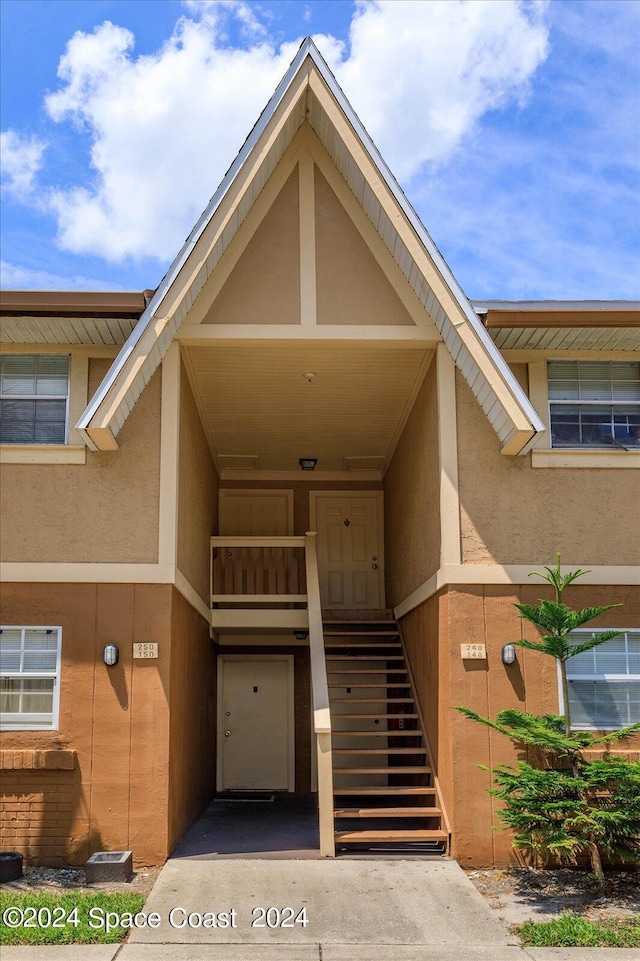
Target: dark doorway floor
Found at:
284, 828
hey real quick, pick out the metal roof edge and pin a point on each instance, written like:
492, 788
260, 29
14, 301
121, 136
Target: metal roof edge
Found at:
482, 306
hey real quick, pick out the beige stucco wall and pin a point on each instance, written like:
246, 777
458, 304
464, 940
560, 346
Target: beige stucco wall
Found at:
512, 513
197, 494
264, 286
103, 511
412, 498
351, 287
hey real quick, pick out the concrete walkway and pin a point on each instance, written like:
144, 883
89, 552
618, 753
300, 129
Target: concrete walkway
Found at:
183, 952
356, 910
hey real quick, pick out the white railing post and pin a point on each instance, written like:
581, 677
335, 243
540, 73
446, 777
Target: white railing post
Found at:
320, 692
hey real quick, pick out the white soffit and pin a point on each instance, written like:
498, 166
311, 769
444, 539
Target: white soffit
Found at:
566, 338
65, 330
506, 406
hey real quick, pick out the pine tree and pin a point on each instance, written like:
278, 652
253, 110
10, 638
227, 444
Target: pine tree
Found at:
591, 807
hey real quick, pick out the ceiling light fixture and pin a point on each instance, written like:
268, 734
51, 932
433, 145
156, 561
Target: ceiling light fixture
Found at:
309, 375
308, 463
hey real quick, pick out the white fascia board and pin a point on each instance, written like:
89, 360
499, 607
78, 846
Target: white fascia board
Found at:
482, 306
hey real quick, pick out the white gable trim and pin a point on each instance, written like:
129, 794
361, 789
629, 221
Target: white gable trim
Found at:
309, 85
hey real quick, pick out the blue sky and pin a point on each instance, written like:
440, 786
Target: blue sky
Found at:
513, 127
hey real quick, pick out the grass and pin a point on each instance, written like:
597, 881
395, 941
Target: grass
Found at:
570, 930
74, 923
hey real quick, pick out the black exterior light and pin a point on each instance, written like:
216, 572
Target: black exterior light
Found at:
308, 463
111, 655
509, 654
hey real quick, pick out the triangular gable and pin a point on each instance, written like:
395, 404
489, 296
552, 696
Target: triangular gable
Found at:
309, 91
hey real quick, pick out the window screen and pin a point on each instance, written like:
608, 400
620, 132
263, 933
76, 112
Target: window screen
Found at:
34, 393
594, 403
604, 683
29, 676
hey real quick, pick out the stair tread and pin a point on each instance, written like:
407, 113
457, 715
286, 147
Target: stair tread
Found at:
421, 812
377, 733
360, 633
376, 644
412, 769
368, 789
379, 750
371, 700
365, 657
375, 716
371, 685
359, 672
391, 835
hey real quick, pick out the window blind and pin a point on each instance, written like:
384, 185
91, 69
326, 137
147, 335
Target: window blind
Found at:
34, 392
604, 683
29, 676
594, 403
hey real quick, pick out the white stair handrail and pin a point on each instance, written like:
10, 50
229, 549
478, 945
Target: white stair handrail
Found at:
320, 693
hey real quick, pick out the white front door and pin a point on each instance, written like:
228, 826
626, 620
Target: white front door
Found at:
350, 548
255, 723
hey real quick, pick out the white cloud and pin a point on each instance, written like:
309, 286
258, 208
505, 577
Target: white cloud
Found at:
20, 161
17, 277
165, 127
420, 75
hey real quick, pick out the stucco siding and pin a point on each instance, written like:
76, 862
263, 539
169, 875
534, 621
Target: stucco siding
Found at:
512, 513
484, 614
197, 494
351, 287
116, 720
103, 511
192, 736
264, 285
412, 498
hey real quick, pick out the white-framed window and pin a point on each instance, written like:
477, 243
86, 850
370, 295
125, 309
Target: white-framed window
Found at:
34, 398
29, 677
594, 403
604, 683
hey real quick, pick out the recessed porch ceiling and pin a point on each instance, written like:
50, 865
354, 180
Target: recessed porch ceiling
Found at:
255, 402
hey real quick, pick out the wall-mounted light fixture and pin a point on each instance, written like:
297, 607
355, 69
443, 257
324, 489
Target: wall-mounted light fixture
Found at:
111, 655
308, 463
301, 635
509, 654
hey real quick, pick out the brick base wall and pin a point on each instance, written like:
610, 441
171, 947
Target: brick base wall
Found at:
37, 810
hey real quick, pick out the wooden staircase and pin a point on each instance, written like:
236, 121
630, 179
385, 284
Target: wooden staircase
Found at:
385, 791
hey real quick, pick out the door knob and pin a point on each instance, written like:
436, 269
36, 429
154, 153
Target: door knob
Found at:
227, 733
374, 567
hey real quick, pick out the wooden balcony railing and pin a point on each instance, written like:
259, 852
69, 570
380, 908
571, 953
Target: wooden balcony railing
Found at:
254, 572
267, 570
